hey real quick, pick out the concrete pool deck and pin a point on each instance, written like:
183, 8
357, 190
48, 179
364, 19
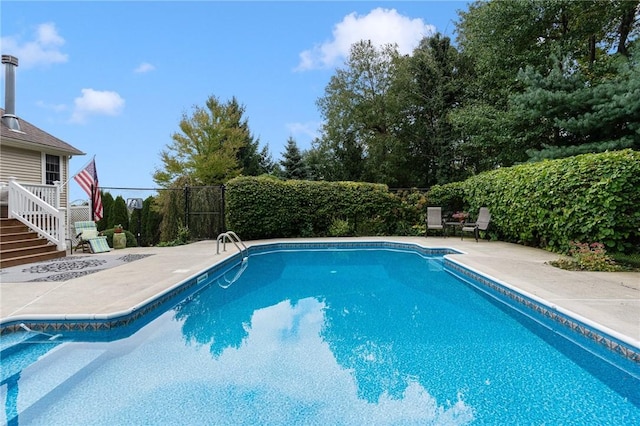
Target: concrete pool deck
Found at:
610, 299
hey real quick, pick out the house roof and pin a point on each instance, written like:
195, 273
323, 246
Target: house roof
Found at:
33, 138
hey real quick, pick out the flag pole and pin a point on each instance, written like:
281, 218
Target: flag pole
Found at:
93, 208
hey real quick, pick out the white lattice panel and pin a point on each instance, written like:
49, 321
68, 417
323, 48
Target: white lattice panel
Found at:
77, 214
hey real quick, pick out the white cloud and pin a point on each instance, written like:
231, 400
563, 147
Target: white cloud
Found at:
381, 26
144, 68
42, 50
307, 130
96, 102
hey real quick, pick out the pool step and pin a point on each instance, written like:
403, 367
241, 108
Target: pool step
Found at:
22, 353
34, 393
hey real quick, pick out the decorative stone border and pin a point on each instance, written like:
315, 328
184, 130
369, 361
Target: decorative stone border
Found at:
552, 313
354, 245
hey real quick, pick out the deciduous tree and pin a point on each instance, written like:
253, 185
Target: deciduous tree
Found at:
213, 145
359, 112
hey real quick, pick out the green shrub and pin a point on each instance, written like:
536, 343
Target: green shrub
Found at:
592, 257
587, 257
259, 207
184, 235
590, 197
631, 261
451, 197
412, 213
340, 228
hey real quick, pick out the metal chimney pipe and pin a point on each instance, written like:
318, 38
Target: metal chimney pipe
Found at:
9, 118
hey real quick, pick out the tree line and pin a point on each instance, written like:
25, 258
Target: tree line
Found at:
524, 80
144, 222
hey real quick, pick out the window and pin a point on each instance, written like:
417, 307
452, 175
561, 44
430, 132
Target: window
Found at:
52, 169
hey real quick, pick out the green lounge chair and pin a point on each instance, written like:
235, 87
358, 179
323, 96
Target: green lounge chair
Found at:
89, 239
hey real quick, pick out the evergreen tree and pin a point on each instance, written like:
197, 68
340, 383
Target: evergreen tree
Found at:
151, 220
567, 112
135, 224
321, 163
119, 215
429, 87
501, 38
266, 164
107, 203
292, 162
248, 156
171, 203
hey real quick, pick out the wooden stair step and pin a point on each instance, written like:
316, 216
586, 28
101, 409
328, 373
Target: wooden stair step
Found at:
21, 243
19, 236
23, 260
13, 229
16, 252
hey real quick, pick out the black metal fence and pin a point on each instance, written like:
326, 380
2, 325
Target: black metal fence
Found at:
201, 209
204, 212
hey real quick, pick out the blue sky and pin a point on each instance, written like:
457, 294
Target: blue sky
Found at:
113, 78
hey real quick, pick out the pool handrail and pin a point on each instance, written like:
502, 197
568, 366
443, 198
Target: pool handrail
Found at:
233, 237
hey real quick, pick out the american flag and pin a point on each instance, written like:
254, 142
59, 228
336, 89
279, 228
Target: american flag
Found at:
87, 178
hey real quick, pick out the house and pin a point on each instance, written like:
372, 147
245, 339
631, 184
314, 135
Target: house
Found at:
34, 175
32, 155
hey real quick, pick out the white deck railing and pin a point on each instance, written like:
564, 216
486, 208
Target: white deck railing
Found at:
31, 205
50, 194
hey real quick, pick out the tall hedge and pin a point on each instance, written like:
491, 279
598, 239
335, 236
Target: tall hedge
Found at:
587, 198
264, 207
449, 196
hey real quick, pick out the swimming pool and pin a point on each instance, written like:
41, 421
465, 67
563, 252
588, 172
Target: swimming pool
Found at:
370, 334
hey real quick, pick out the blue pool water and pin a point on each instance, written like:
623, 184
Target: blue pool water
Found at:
322, 337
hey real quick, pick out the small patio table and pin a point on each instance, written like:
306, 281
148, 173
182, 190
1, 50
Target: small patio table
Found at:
455, 225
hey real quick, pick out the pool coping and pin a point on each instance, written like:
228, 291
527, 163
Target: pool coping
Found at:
612, 340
